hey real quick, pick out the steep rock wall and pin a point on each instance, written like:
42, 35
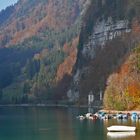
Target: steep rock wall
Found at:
102, 33
107, 36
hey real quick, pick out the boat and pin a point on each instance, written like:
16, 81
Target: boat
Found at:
88, 115
81, 117
134, 116
125, 116
101, 114
106, 117
120, 128
120, 134
120, 116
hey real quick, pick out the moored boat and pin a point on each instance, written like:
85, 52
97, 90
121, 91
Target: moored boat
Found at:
119, 128
81, 117
134, 116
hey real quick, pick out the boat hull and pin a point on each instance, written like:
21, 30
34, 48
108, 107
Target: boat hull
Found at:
121, 128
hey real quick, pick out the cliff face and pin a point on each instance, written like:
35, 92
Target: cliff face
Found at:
104, 31
107, 36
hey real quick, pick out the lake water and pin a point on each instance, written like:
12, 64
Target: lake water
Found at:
42, 123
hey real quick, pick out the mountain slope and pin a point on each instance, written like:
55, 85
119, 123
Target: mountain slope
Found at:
32, 47
42, 64
29, 18
123, 86
110, 29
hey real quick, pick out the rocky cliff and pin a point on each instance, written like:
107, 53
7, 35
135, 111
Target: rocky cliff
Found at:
106, 38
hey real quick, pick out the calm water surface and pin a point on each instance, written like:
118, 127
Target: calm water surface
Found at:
41, 123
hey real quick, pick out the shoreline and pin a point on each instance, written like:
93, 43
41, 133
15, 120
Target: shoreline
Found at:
48, 105
117, 111
72, 106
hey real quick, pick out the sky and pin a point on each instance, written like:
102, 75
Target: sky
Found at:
5, 3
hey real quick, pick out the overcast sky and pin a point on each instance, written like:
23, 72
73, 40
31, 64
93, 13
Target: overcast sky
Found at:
5, 3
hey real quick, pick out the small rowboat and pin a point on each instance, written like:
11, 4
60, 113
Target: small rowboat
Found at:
120, 128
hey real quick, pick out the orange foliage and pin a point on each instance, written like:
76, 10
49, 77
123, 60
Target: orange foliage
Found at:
67, 66
123, 72
54, 14
134, 90
135, 28
124, 69
20, 36
28, 32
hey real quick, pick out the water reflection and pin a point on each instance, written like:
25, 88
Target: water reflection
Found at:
64, 125
41, 123
121, 134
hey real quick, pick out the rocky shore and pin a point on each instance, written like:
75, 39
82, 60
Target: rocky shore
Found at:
116, 111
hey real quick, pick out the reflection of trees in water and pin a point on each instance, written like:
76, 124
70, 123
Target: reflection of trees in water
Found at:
64, 126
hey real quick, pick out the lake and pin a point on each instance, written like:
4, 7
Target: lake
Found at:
43, 123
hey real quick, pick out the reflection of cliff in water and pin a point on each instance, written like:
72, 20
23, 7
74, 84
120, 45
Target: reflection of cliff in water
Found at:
64, 123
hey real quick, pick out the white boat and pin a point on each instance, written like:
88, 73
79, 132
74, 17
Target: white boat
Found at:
81, 117
88, 115
120, 128
120, 134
